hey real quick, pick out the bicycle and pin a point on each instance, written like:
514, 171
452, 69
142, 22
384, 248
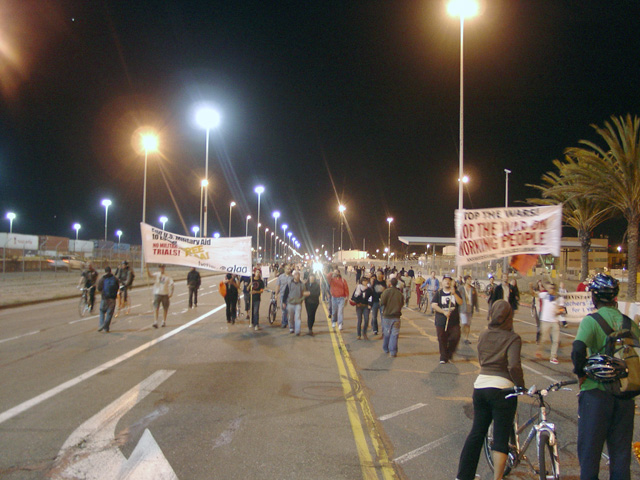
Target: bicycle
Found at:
543, 431
122, 303
84, 308
273, 307
424, 301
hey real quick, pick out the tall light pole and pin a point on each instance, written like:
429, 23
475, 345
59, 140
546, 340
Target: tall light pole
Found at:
163, 221
341, 209
150, 144
203, 184
259, 190
106, 203
76, 227
231, 205
389, 220
506, 204
284, 238
462, 9
11, 217
289, 245
273, 257
246, 226
207, 118
276, 216
266, 230
119, 234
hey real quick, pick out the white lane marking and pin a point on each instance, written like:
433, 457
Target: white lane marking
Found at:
424, 449
24, 406
20, 336
403, 411
551, 379
98, 316
92, 451
181, 294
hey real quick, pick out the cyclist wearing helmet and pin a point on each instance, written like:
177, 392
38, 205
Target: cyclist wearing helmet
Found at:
601, 415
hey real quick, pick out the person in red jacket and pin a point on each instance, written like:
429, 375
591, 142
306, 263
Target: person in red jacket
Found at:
339, 294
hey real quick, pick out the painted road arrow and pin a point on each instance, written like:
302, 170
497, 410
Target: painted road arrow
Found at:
93, 451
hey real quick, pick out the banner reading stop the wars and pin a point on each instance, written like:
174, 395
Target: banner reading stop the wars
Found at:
493, 233
231, 255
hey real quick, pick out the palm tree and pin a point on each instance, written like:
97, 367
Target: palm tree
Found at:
581, 213
611, 175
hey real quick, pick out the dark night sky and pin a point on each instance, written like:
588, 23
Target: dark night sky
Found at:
360, 96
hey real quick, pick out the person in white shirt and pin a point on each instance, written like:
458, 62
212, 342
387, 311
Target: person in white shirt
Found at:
162, 292
552, 306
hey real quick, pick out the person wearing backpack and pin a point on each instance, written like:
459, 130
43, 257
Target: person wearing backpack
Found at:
603, 414
107, 285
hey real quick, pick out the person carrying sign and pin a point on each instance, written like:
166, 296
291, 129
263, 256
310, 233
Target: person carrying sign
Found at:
447, 318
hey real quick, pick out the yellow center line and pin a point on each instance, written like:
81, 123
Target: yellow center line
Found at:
354, 399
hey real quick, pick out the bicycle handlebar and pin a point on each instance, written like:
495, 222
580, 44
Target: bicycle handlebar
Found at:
554, 387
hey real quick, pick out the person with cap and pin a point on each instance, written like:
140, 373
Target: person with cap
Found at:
601, 414
162, 292
447, 318
500, 367
107, 285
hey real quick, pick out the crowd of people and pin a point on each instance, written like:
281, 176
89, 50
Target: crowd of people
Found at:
379, 297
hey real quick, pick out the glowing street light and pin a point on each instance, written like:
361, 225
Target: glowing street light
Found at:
389, 219
246, 226
11, 217
231, 205
77, 227
216, 235
163, 221
195, 229
106, 203
119, 234
150, 144
341, 209
207, 118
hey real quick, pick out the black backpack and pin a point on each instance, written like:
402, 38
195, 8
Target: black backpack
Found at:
110, 286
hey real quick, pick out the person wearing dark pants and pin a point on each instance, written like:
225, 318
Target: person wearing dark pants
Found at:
257, 287
231, 298
193, 282
447, 319
602, 416
108, 285
499, 350
312, 301
392, 301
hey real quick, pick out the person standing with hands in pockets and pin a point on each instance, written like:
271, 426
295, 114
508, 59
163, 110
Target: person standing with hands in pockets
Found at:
447, 319
162, 292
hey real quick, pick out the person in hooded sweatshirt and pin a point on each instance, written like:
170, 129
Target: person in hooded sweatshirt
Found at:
499, 356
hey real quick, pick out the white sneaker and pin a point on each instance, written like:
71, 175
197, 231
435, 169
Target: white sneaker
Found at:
333, 324
257, 328
340, 327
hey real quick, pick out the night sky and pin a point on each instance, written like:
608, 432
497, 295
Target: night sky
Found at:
320, 101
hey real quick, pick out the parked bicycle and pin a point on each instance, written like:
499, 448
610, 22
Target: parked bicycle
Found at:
84, 307
543, 431
273, 307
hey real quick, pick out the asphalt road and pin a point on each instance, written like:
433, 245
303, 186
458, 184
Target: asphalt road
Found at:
202, 399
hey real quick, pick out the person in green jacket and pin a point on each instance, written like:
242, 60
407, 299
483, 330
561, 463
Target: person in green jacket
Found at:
392, 300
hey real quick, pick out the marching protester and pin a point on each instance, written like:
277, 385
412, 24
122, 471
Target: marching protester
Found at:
378, 286
552, 306
361, 295
281, 284
469, 298
162, 292
231, 297
257, 287
125, 276
392, 301
108, 285
193, 282
430, 286
447, 318
312, 301
294, 294
339, 294
88, 280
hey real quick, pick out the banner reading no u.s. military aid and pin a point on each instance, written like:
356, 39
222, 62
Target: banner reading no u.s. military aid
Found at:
232, 255
493, 233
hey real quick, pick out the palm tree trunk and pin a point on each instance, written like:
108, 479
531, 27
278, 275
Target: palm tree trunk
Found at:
585, 245
632, 255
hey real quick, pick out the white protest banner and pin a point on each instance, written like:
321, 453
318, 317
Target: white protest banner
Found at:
578, 305
231, 255
492, 233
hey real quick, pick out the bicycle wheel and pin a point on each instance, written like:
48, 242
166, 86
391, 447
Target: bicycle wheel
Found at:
273, 310
547, 458
513, 452
83, 306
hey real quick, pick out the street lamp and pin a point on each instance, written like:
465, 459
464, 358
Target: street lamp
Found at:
231, 205
246, 226
506, 204
203, 185
195, 229
259, 190
207, 118
462, 9
163, 221
273, 256
150, 144
341, 209
76, 227
276, 216
11, 216
266, 230
119, 234
289, 235
389, 219
216, 235
106, 203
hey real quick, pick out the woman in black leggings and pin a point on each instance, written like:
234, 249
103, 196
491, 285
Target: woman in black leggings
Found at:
312, 301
